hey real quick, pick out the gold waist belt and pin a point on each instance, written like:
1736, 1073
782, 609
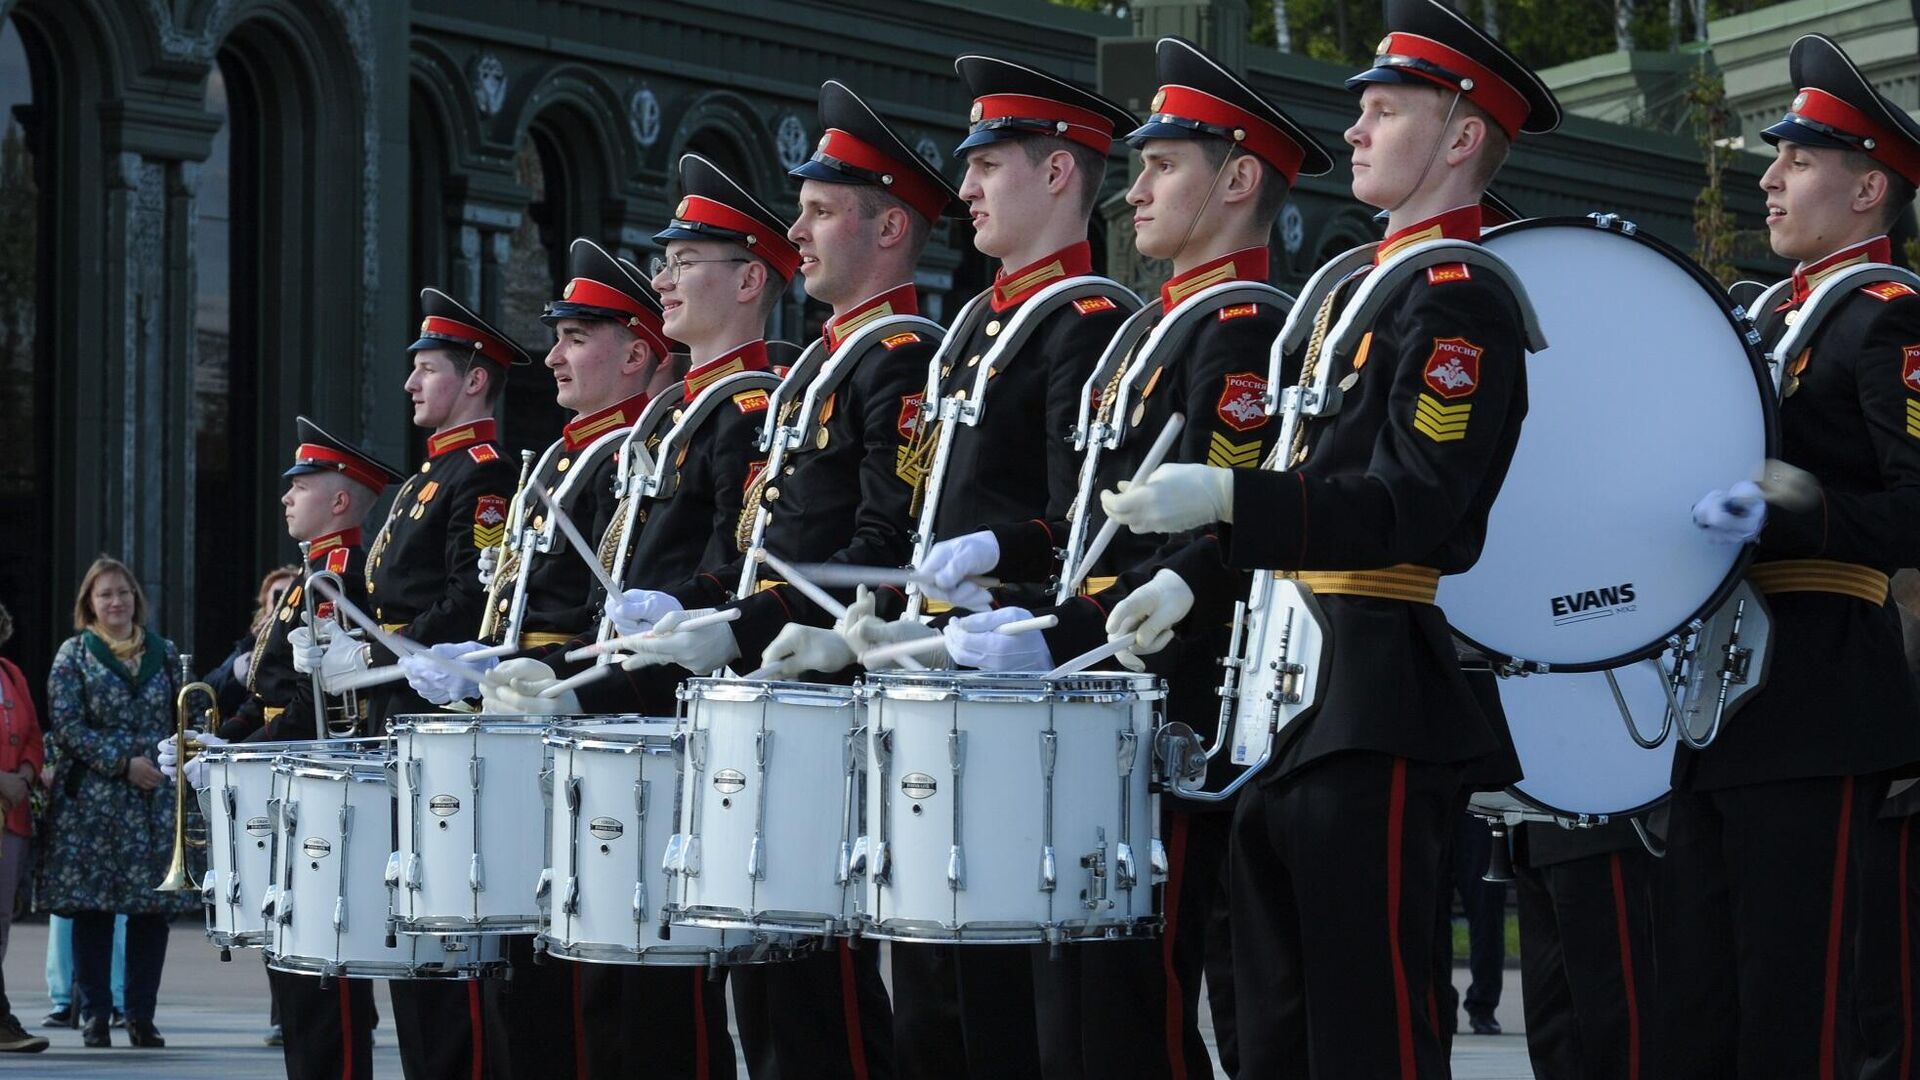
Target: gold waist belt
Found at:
761, 585
272, 713
1820, 575
1414, 584
1096, 584
393, 627
534, 639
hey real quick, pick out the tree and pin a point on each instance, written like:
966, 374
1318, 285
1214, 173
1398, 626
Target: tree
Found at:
1713, 233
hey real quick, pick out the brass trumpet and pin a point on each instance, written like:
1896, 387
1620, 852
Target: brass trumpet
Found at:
178, 878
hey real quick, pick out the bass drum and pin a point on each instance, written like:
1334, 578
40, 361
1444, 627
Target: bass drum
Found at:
1574, 750
1650, 394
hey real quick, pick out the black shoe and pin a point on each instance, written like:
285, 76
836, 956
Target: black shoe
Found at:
274, 1036
15, 1040
119, 1019
68, 1017
143, 1033
1484, 1024
94, 1033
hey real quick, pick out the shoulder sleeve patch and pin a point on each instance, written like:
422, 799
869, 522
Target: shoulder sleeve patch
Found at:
1910, 368
750, 401
489, 521
909, 420
1092, 304
1224, 453
1452, 369
483, 453
1238, 311
1888, 290
337, 559
1440, 275
898, 340
1242, 404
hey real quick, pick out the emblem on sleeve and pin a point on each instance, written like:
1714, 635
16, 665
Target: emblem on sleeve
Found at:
1441, 423
751, 401
1440, 275
1238, 311
753, 474
489, 520
909, 420
898, 340
1910, 368
483, 453
1224, 453
1887, 291
1242, 401
337, 560
1453, 368
1092, 304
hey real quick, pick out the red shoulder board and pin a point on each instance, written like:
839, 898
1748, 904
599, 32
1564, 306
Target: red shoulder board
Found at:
1453, 368
1887, 291
1241, 405
898, 340
483, 453
750, 401
1092, 304
1440, 275
337, 559
909, 420
1239, 311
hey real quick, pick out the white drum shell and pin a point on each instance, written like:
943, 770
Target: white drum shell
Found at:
239, 839
960, 808
1575, 754
611, 819
470, 807
769, 808
330, 898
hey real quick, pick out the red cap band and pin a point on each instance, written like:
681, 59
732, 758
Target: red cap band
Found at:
354, 468
1501, 100
472, 336
640, 318
1088, 128
763, 241
903, 180
1890, 148
1259, 136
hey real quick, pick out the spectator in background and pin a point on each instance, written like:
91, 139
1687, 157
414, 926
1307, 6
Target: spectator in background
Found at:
110, 824
20, 760
229, 677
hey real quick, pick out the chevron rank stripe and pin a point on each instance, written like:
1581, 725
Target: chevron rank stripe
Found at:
1441, 423
1224, 453
1913, 417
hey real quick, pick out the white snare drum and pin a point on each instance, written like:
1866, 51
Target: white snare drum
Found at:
606, 891
1008, 809
1574, 748
240, 838
1649, 397
770, 807
470, 841
329, 902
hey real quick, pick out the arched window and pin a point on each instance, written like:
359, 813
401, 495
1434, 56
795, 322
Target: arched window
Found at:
533, 273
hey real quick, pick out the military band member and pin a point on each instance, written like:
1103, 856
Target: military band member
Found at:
1387, 495
1774, 833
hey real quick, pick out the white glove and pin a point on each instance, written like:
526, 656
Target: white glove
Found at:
973, 642
951, 562
873, 632
342, 656
706, 649
242, 664
804, 648
1732, 516
307, 655
438, 685
637, 610
513, 687
168, 757
1174, 499
1149, 615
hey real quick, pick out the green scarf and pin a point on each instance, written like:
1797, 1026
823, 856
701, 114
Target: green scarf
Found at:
152, 656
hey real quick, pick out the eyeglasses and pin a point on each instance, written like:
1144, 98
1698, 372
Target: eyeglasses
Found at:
673, 268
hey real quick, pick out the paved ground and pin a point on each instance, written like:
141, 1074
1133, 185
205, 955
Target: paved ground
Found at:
213, 1015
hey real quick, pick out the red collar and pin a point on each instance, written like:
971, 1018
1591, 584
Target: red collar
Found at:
445, 442
1808, 276
584, 429
1247, 264
1460, 223
345, 538
1011, 288
749, 357
899, 300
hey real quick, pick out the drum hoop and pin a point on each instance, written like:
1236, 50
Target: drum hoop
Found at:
324, 769
577, 738
744, 690
1532, 803
497, 726
976, 686
1763, 384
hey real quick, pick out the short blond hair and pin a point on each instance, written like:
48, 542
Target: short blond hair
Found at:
83, 613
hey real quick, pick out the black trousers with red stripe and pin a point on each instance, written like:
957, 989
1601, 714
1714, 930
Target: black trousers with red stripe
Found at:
437, 1023
672, 1019
964, 1011
822, 1017
1887, 993
1334, 875
533, 1028
327, 1030
1756, 914
1130, 1008
1586, 965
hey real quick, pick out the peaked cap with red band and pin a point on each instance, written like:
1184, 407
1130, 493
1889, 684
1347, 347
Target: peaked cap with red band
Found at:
1012, 100
609, 289
1198, 99
321, 452
1430, 44
858, 148
714, 207
446, 323
1836, 107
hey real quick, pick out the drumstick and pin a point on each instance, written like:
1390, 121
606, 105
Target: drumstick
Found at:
1021, 626
815, 593
1788, 487
725, 615
490, 652
1156, 454
841, 575
585, 550
394, 643
377, 676
1091, 657
898, 649
592, 674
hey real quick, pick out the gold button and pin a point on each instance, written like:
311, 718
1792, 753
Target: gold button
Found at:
539, 522
773, 494
505, 604
960, 394
993, 328
549, 490
1793, 317
565, 464
679, 415
426, 466
974, 360
788, 471
820, 439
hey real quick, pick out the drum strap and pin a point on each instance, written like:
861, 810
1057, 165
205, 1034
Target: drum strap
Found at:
1820, 575
1413, 584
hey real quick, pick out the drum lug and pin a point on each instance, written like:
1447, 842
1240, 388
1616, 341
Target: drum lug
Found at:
853, 861
672, 858
1094, 896
573, 795
756, 859
690, 857
570, 900
956, 868
392, 876
1049, 870
1124, 874
639, 902
1162, 869
1129, 750
413, 774
543, 889
476, 769
267, 901
882, 863
413, 871
339, 913
476, 877
697, 751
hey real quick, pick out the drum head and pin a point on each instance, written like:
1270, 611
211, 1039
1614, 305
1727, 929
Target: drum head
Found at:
1647, 397
1574, 749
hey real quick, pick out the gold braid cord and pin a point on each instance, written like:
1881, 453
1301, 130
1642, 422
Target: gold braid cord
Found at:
616, 535
1108, 399
1309, 368
505, 568
750, 502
